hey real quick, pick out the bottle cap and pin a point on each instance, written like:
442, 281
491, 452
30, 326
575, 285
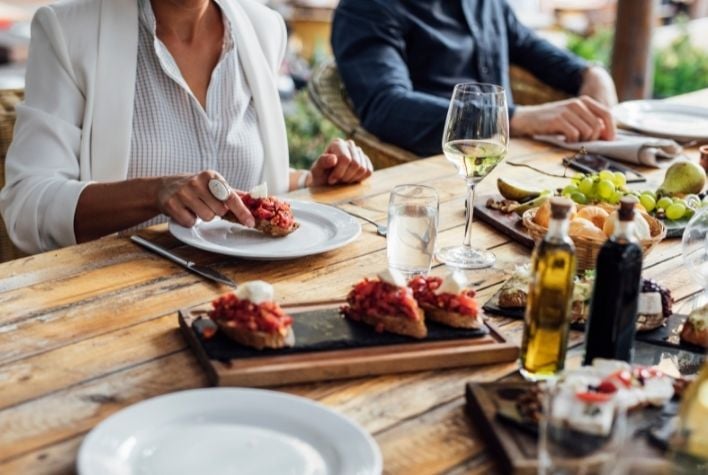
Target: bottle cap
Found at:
560, 207
626, 209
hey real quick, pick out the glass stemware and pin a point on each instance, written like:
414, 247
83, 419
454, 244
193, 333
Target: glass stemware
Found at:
475, 140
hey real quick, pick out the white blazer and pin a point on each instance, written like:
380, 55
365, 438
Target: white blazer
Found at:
74, 126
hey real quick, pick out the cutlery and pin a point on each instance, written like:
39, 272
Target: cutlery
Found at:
203, 271
381, 229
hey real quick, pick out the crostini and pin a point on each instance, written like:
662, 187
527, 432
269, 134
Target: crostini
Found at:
251, 317
273, 216
387, 305
447, 301
695, 328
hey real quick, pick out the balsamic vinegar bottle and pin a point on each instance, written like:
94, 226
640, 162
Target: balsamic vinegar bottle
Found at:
613, 309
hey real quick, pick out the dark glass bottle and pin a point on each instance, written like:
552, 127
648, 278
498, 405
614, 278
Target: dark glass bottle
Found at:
613, 309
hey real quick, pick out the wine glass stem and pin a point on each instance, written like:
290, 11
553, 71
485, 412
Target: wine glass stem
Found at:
470, 215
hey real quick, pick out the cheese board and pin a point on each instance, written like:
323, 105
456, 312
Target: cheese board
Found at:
329, 347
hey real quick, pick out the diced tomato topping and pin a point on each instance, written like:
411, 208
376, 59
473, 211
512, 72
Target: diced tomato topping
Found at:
377, 298
622, 376
424, 292
593, 398
607, 387
271, 209
265, 317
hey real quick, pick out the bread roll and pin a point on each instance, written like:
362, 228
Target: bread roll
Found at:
581, 227
597, 215
642, 231
543, 214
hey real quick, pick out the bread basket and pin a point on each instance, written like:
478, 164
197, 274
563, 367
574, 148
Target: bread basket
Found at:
587, 247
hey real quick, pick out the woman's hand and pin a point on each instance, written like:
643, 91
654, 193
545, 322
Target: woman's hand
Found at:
342, 162
185, 198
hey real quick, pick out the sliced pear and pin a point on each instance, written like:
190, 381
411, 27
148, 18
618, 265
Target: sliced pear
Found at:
538, 201
516, 191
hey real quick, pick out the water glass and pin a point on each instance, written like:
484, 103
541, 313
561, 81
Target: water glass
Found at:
567, 444
412, 229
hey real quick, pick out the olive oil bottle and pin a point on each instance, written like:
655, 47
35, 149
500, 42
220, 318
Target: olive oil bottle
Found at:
613, 308
547, 317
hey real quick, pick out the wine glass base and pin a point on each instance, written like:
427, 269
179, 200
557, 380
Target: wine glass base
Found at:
465, 257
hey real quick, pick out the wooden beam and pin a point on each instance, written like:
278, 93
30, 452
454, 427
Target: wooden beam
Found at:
632, 67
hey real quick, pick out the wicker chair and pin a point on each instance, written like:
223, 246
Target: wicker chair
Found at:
8, 100
327, 92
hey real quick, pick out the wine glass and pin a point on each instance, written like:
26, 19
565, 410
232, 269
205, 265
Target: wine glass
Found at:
475, 140
695, 252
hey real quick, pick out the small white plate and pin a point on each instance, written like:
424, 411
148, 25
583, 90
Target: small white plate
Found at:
322, 228
228, 431
664, 119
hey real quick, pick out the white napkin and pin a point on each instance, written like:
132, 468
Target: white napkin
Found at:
627, 147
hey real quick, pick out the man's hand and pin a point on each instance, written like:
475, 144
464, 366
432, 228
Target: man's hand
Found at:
598, 84
580, 119
342, 162
185, 198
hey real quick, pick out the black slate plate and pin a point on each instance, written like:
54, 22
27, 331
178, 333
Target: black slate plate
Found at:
669, 335
492, 306
325, 329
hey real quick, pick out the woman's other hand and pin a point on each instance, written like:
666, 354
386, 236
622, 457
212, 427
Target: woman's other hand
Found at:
185, 198
342, 162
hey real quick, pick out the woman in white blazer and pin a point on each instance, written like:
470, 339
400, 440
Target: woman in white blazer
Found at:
67, 170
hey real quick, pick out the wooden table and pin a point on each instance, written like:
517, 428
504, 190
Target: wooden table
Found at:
88, 330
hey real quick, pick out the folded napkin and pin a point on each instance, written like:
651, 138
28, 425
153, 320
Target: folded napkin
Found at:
627, 147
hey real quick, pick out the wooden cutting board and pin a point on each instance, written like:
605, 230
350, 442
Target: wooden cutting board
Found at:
509, 224
330, 347
516, 446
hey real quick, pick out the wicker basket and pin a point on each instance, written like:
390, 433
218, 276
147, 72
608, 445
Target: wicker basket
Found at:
8, 100
587, 247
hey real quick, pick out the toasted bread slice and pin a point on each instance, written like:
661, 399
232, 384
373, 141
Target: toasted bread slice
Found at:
257, 339
276, 231
691, 334
400, 325
509, 298
452, 319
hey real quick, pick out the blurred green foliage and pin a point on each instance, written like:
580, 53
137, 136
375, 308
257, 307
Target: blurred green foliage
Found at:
308, 132
678, 68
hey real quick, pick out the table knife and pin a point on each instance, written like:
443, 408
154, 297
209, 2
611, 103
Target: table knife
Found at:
204, 271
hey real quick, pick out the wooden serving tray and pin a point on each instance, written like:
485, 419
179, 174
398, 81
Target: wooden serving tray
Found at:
516, 445
510, 224
362, 352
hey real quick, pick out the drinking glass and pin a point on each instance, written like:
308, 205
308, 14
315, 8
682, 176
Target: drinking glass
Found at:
412, 229
580, 436
475, 139
695, 252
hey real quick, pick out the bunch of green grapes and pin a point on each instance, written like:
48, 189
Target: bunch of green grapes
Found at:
606, 186
671, 208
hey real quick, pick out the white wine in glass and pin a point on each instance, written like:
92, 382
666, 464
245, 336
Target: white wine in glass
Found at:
475, 140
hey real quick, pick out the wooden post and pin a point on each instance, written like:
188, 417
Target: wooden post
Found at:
632, 67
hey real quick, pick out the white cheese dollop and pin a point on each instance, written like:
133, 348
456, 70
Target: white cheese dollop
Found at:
454, 283
260, 191
392, 277
649, 303
257, 291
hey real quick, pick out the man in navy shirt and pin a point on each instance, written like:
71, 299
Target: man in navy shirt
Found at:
400, 60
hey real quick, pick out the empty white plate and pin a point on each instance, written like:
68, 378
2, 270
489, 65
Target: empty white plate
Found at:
664, 119
222, 431
322, 228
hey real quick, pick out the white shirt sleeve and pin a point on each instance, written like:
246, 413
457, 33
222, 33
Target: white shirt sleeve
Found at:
42, 171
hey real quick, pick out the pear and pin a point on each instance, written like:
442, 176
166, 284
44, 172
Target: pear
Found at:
515, 191
683, 178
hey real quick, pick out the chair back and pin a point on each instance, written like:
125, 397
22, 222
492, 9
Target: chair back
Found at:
8, 100
327, 93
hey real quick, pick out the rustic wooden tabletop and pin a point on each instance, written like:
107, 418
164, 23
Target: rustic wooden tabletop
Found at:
91, 329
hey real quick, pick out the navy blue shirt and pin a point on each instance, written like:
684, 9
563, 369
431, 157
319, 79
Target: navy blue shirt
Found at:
401, 59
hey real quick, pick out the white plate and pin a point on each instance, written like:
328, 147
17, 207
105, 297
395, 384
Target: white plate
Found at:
664, 119
322, 228
228, 431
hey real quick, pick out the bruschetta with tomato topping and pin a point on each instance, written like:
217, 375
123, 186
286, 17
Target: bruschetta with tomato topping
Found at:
273, 216
387, 305
252, 318
447, 301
